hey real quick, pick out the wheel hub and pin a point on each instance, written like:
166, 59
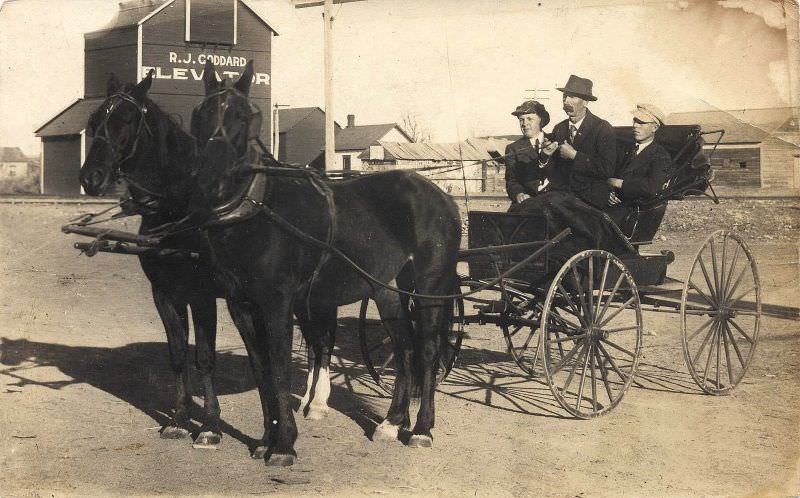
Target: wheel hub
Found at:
597, 333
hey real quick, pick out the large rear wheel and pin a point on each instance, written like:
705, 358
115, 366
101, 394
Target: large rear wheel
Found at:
592, 333
720, 313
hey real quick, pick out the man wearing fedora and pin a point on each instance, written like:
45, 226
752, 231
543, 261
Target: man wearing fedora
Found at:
525, 160
643, 171
586, 148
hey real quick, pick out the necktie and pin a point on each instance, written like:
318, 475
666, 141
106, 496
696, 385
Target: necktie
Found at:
636, 149
572, 132
536, 145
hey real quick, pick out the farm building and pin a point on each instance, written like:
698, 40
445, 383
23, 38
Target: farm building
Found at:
301, 134
13, 163
454, 167
354, 140
760, 147
174, 38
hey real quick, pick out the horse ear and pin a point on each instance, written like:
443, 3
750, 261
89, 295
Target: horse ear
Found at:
210, 78
140, 90
112, 85
243, 84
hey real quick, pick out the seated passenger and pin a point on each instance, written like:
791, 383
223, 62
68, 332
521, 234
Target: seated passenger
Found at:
642, 173
524, 158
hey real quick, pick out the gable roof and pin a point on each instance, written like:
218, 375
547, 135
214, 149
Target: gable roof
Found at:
12, 155
361, 137
134, 12
289, 117
70, 121
740, 125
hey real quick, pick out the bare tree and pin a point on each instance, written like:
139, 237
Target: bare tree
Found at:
414, 128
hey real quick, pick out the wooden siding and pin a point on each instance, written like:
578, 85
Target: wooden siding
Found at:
62, 165
727, 169
100, 63
779, 160
305, 141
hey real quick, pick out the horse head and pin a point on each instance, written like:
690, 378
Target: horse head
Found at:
224, 124
120, 130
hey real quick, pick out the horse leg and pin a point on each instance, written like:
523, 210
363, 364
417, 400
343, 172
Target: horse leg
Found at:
434, 319
204, 317
248, 322
319, 331
175, 318
277, 312
395, 317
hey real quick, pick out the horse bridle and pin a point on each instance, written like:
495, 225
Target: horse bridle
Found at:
102, 130
220, 133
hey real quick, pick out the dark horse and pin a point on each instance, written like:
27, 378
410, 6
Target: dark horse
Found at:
130, 133
385, 222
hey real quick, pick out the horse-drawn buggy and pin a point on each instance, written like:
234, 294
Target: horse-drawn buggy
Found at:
219, 219
574, 317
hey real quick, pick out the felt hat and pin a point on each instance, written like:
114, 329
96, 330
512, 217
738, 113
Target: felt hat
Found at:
533, 107
580, 87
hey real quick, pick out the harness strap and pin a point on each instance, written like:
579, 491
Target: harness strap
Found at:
304, 237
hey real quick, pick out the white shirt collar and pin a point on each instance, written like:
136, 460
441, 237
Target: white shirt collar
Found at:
539, 137
579, 123
642, 146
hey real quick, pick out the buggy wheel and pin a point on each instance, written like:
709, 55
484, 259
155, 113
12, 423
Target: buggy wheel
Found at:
592, 333
377, 349
520, 325
720, 313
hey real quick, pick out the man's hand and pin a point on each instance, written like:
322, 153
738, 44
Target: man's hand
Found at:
521, 197
549, 147
614, 182
567, 151
613, 199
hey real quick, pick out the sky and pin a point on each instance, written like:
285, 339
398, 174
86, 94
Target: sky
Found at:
461, 66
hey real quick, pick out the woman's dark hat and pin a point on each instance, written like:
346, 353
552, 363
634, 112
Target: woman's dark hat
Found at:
580, 87
533, 107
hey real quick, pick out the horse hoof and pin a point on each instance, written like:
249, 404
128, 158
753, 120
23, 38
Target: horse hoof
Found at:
316, 412
420, 441
386, 432
259, 453
174, 432
207, 440
281, 460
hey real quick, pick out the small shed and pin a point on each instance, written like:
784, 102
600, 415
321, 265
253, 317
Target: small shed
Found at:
301, 134
353, 140
174, 38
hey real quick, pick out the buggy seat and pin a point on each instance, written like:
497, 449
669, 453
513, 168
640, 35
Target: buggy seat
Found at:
690, 176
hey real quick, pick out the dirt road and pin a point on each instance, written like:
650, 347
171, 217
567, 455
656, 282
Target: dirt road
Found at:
85, 385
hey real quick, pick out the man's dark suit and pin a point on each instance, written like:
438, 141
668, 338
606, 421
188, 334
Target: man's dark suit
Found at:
643, 175
586, 175
523, 174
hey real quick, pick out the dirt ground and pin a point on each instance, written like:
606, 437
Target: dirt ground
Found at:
85, 385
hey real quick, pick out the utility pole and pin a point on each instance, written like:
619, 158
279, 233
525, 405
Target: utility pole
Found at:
276, 130
330, 148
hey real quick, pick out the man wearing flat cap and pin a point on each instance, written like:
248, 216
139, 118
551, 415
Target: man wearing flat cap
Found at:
583, 152
643, 171
524, 158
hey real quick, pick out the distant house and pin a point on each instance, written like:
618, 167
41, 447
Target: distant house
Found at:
353, 140
469, 166
760, 147
302, 134
13, 163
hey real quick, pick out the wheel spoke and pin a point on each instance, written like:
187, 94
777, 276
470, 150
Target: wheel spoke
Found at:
602, 287
566, 358
528, 340
719, 350
618, 311
591, 288
711, 288
594, 379
386, 340
574, 368
694, 334
536, 352
610, 297
604, 376
702, 294
733, 341
620, 348
710, 354
736, 284
703, 344
736, 325
730, 271
564, 320
586, 312
516, 330
572, 305
613, 363
621, 329
740, 296
570, 338
727, 353
385, 364
722, 265
583, 378
717, 285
